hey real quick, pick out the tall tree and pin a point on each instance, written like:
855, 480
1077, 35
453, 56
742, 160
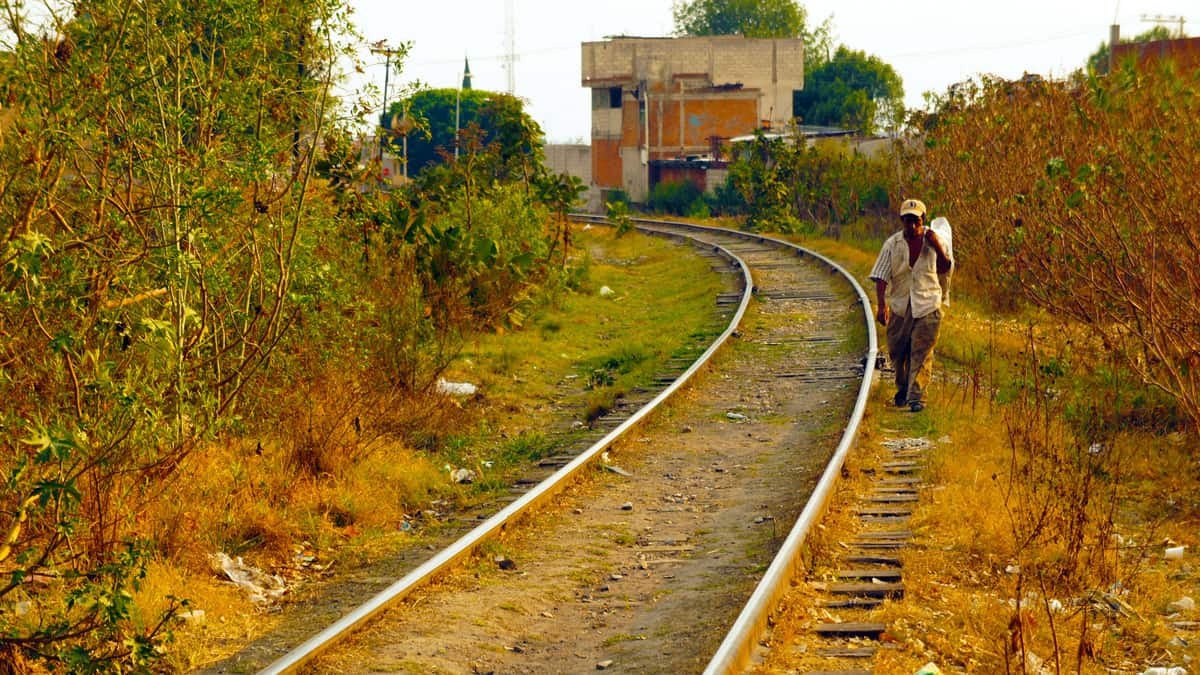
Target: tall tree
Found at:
516, 137
751, 18
851, 90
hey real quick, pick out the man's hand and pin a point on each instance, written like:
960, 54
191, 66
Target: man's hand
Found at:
932, 238
883, 314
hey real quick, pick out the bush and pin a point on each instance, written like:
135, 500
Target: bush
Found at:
1081, 200
678, 198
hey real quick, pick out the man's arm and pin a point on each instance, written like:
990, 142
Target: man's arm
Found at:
943, 261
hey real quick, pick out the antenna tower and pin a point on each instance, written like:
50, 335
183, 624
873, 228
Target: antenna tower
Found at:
510, 45
1160, 18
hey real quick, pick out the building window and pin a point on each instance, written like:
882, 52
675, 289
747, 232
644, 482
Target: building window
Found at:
614, 97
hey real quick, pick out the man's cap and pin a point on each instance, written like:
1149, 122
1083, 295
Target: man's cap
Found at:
914, 207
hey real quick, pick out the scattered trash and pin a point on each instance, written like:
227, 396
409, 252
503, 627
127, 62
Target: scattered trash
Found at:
605, 291
616, 469
1012, 569
263, 588
928, 669
907, 443
1095, 448
1109, 604
192, 616
1159, 670
460, 476
736, 417
455, 388
1174, 553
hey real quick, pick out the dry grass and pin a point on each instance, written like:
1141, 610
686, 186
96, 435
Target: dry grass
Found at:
1031, 554
343, 470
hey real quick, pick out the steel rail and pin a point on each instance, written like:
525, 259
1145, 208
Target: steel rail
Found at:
734, 653
549, 487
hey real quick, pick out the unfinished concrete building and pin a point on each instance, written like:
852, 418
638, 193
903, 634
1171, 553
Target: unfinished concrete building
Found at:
662, 104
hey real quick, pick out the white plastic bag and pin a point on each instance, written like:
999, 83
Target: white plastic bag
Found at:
263, 588
941, 227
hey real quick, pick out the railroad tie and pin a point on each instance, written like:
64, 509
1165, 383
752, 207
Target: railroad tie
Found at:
873, 573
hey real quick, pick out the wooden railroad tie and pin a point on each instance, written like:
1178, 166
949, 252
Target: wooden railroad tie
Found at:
851, 630
881, 573
864, 590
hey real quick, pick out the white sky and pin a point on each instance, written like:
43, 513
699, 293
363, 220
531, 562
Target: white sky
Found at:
930, 43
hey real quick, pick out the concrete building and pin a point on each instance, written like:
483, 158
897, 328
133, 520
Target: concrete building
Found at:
1185, 52
661, 103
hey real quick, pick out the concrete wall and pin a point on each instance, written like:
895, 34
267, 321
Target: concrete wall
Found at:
773, 67
675, 94
575, 160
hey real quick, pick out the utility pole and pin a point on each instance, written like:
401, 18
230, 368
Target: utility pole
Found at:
382, 48
510, 46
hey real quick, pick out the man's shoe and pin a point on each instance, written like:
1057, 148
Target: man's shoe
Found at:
901, 399
916, 407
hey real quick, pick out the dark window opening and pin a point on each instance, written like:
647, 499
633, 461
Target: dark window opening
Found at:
614, 97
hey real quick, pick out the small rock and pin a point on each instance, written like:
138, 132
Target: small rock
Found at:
505, 564
1184, 604
615, 577
685, 430
548, 615
605, 291
736, 417
627, 506
604, 665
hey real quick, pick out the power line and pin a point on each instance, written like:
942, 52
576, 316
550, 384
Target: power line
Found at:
1162, 19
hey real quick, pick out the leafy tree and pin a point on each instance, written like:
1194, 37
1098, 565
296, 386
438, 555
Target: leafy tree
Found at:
500, 117
1098, 61
851, 90
751, 18
154, 182
755, 19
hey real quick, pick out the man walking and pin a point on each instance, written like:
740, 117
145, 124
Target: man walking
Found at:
909, 299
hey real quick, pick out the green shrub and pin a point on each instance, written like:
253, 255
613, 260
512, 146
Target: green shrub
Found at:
678, 198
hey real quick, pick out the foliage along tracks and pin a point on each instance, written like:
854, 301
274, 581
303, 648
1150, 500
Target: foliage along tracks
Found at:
691, 522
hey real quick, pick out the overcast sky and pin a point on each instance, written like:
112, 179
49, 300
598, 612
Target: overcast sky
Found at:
930, 43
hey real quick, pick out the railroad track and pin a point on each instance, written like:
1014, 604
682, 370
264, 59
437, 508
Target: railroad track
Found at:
671, 560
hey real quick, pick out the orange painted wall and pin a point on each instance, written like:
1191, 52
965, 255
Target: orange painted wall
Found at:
725, 117
606, 162
720, 115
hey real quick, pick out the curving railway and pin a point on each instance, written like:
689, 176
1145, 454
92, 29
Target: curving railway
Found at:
664, 544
